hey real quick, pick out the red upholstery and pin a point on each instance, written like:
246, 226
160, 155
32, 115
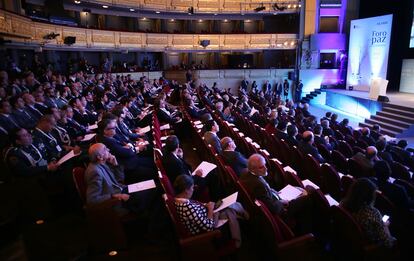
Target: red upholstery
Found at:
399, 171
312, 170
345, 149
340, 161
331, 181
79, 180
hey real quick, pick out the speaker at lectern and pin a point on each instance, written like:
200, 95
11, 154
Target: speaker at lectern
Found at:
378, 87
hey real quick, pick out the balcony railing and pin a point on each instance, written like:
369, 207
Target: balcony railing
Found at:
23, 31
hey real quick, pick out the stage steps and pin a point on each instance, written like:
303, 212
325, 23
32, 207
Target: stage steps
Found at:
395, 120
311, 96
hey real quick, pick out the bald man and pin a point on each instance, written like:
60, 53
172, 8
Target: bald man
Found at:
367, 161
258, 188
306, 146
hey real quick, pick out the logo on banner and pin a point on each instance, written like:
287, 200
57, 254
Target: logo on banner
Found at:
378, 38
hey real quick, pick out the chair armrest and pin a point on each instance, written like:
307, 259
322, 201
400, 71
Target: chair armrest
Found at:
303, 247
200, 239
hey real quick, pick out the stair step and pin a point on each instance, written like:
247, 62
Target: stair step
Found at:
398, 107
385, 125
383, 131
318, 91
399, 112
313, 94
392, 121
396, 116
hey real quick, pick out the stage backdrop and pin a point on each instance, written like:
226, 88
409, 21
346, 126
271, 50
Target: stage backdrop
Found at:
369, 45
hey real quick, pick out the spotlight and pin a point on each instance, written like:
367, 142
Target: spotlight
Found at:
77, 2
285, 43
157, 12
132, 9
50, 36
260, 8
278, 8
172, 20
105, 6
289, 6
292, 43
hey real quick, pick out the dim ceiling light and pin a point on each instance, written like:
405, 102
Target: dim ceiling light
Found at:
225, 20
215, 14
144, 18
200, 20
105, 6
77, 2
157, 12
172, 20
292, 43
132, 9
289, 6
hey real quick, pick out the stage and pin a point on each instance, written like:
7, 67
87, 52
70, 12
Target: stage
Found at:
395, 117
397, 98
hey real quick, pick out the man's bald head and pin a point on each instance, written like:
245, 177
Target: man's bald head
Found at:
371, 152
307, 137
95, 151
257, 165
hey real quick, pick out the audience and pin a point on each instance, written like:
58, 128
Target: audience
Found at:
232, 157
360, 201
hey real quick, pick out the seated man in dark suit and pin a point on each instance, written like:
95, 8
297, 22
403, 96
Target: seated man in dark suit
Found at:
299, 208
292, 132
306, 146
396, 193
232, 157
194, 112
376, 132
137, 167
211, 137
164, 116
366, 136
326, 131
367, 161
281, 130
174, 165
319, 139
404, 155
22, 117
381, 144
7, 120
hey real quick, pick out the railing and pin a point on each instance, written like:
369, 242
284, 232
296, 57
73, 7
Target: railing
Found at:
205, 6
21, 30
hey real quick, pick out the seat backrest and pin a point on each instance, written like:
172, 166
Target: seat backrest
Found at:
323, 150
340, 162
347, 232
357, 170
384, 204
346, 183
345, 149
166, 184
267, 225
331, 181
80, 184
298, 161
312, 170
399, 171
180, 230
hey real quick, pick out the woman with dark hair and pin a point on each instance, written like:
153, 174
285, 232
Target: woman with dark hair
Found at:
200, 217
359, 202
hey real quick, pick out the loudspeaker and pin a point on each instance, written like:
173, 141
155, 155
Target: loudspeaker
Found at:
205, 43
69, 40
291, 75
382, 98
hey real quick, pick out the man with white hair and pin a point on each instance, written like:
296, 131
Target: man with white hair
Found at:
258, 188
104, 178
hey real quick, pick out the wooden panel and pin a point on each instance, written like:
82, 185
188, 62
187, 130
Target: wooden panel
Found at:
157, 39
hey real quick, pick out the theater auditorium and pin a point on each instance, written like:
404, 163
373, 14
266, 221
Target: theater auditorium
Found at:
206, 130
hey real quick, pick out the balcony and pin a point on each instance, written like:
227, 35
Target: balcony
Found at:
25, 32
